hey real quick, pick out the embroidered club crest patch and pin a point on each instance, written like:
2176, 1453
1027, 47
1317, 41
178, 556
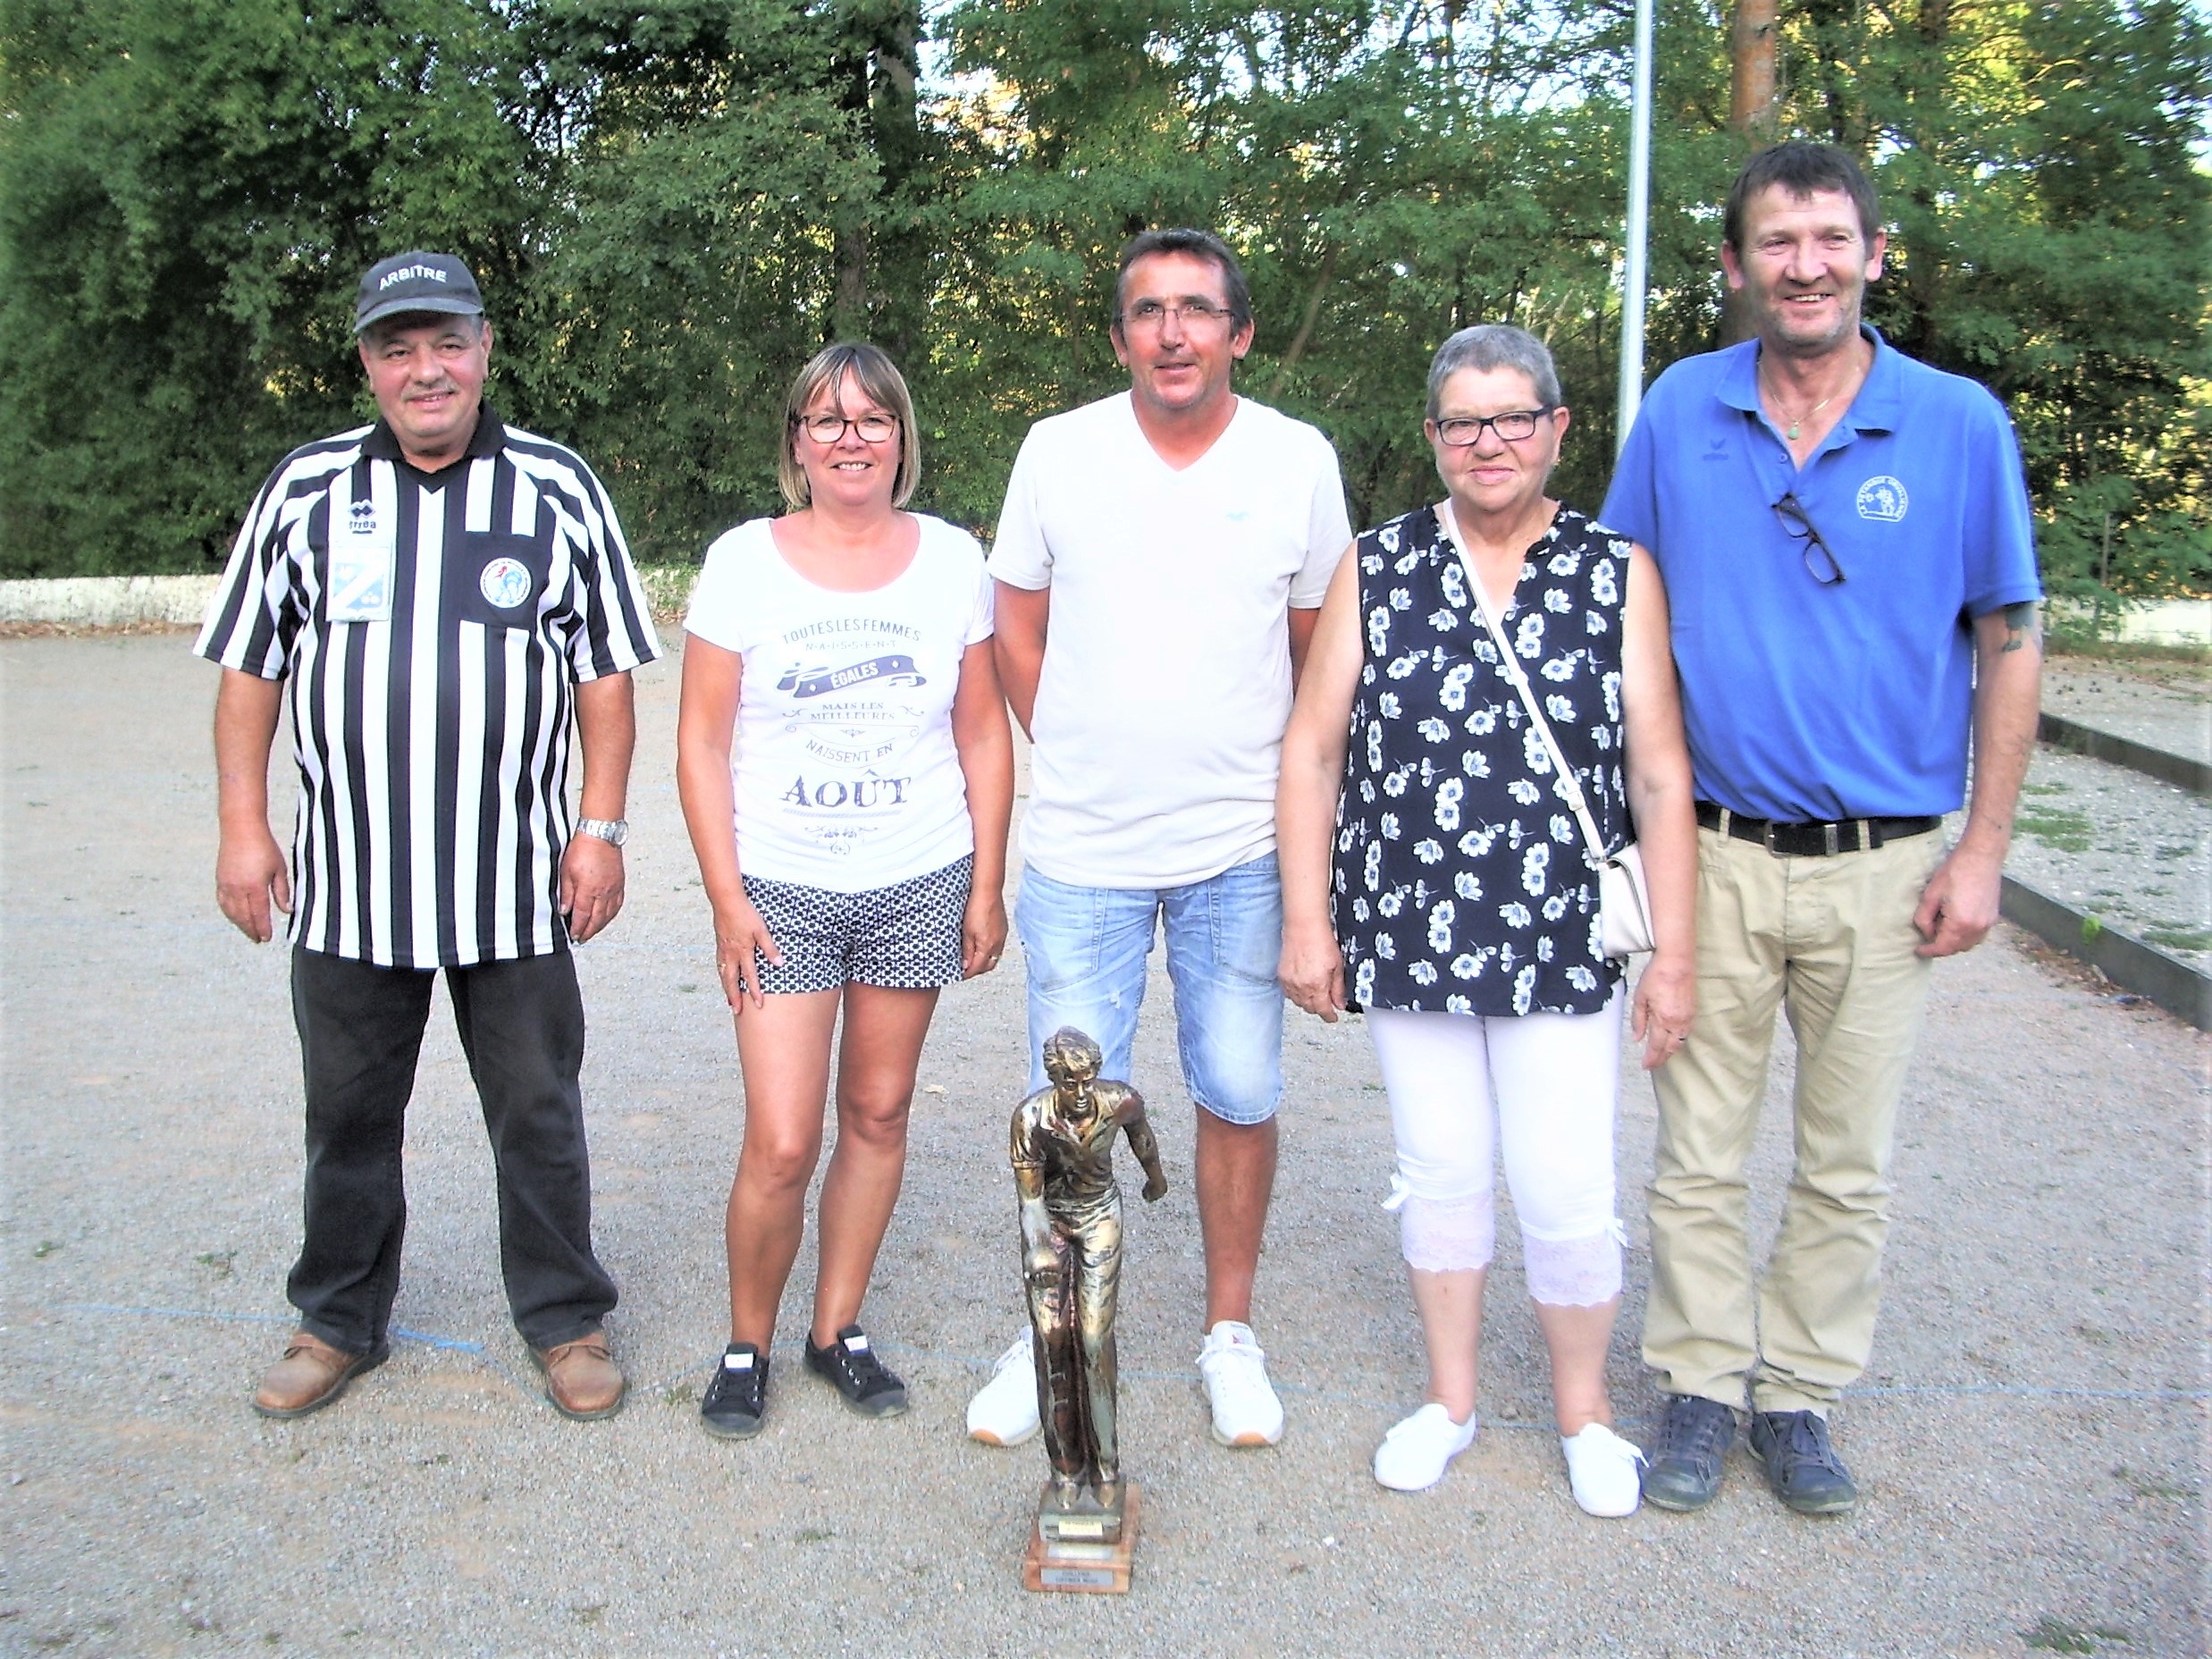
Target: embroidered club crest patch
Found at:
1883, 498
505, 583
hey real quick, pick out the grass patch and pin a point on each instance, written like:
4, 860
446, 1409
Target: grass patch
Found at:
2056, 1636
2061, 641
2180, 938
2055, 828
2042, 789
2147, 1486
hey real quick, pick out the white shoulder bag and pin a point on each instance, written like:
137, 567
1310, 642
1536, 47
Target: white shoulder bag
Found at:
1624, 903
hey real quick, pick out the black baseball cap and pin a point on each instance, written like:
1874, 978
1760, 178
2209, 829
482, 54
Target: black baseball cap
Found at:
415, 281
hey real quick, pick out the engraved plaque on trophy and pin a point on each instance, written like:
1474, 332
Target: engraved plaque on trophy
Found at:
1061, 1150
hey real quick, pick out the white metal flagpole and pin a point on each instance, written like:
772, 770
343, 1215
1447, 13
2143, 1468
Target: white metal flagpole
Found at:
1633, 282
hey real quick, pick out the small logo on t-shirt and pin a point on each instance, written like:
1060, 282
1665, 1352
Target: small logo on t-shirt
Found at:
505, 583
1883, 498
361, 518
820, 682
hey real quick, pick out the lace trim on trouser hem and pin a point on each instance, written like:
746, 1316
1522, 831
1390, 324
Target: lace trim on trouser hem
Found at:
1444, 1235
1573, 1272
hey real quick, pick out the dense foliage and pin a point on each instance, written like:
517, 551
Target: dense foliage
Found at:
671, 203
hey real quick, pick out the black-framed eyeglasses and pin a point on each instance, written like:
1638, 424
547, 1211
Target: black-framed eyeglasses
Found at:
1196, 312
1821, 561
1514, 427
874, 427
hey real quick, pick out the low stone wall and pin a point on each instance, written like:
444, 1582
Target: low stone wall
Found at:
108, 601
182, 600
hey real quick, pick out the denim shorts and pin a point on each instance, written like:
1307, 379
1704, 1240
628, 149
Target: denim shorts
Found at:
905, 937
1086, 949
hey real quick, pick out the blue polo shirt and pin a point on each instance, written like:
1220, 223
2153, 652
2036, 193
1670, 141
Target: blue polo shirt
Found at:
1850, 700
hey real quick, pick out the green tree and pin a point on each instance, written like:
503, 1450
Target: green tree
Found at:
188, 189
2053, 239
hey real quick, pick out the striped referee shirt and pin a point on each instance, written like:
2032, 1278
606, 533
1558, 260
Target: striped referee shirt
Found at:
431, 625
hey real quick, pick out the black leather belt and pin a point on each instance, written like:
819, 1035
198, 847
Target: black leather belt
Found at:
1811, 840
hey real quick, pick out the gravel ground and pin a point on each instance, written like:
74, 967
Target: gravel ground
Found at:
2166, 705
2031, 1438
2121, 845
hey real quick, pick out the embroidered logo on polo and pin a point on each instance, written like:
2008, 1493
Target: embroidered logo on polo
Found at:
505, 583
1883, 499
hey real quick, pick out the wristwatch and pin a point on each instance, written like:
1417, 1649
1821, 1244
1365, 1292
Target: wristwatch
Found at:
613, 831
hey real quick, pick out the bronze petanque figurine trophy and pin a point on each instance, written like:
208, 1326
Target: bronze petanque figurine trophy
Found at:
1071, 1211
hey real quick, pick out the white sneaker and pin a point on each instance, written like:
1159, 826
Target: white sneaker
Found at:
1004, 1411
1413, 1454
1601, 1468
1246, 1412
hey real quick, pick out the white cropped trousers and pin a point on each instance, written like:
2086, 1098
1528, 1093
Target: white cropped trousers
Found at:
1545, 1088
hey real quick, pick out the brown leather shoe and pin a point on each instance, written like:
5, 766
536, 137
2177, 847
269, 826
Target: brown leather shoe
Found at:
311, 1375
581, 1377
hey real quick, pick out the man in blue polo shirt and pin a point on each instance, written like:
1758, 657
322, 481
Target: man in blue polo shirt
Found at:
1845, 540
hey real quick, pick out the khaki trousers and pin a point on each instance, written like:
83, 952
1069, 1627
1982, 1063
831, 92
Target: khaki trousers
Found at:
1831, 940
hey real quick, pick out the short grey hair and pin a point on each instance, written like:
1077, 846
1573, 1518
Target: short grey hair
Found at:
1494, 345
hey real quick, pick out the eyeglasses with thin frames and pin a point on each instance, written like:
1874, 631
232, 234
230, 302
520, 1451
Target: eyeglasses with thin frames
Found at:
1820, 561
1196, 312
1514, 427
874, 427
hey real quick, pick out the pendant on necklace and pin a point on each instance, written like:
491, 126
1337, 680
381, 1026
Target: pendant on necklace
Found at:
1792, 434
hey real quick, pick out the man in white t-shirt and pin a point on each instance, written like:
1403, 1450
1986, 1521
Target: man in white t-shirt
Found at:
1160, 563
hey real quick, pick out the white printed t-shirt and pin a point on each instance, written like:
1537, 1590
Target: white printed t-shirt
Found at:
844, 766
1166, 683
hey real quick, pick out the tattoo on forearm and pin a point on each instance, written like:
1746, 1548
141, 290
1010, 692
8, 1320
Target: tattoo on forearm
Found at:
2023, 626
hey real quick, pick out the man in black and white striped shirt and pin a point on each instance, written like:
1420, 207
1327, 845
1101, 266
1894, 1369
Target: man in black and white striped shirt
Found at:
444, 594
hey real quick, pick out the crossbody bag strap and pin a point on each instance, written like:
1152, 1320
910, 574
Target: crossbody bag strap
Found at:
1565, 782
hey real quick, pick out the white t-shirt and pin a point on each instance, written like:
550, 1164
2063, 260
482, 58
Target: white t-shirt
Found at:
1167, 682
844, 766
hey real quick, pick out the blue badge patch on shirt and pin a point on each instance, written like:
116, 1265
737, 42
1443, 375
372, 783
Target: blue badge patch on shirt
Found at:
505, 583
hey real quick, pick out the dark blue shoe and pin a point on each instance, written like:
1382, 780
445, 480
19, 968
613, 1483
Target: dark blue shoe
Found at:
737, 1394
1801, 1466
1683, 1472
850, 1365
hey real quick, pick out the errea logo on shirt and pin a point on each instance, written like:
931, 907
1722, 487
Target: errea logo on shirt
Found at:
1883, 498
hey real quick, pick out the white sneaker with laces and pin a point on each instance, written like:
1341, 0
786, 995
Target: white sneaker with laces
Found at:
1246, 1412
1004, 1411
1602, 1470
1415, 1453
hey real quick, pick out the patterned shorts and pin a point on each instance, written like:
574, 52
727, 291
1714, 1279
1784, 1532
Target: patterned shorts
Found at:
905, 937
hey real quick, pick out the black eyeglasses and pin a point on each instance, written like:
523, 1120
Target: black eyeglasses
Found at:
1515, 426
827, 428
1821, 561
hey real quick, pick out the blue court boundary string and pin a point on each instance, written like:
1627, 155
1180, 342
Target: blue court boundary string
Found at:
1868, 1391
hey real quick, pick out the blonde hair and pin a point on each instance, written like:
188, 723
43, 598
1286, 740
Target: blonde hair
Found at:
878, 377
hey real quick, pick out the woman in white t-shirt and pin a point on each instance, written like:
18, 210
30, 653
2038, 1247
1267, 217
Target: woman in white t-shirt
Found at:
841, 712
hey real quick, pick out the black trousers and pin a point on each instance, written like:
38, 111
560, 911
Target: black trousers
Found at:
521, 1025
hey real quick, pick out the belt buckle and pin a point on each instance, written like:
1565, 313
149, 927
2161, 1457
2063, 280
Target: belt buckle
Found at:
1766, 834
1831, 843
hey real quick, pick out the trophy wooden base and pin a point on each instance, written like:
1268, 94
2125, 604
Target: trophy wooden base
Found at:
1086, 1568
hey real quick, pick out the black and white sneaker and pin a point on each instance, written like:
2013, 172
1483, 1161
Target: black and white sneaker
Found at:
737, 1394
852, 1368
